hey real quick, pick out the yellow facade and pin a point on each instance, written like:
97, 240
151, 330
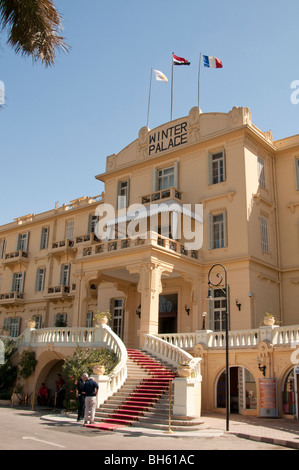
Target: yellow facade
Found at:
53, 265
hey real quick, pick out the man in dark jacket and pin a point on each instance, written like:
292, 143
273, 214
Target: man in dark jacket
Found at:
81, 396
90, 391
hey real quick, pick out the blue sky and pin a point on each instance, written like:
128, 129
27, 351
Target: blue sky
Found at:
59, 124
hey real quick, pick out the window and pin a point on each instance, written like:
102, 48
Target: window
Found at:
218, 230
92, 221
261, 171
13, 325
165, 178
60, 320
89, 317
69, 230
40, 279
264, 234
117, 315
2, 247
296, 161
22, 241
38, 321
217, 310
123, 194
18, 282
65, 274
217, 167
44, 238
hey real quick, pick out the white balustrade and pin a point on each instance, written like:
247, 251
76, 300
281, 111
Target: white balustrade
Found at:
277, 335
171, 353
101, 336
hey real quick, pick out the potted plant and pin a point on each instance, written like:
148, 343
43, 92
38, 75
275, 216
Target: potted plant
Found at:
31, 323
98, 368
269, 319
184, 369
4, 332
101, 318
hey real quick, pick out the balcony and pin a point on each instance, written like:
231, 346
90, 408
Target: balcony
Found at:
19, 257
152, 239
11, 299
60, 292
62, 247
161, 195
86, 239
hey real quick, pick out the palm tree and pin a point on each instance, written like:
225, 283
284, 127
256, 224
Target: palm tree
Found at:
34, 28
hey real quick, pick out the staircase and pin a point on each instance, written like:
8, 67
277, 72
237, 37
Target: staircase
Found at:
143, 400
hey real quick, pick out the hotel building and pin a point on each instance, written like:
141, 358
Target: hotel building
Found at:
57, 267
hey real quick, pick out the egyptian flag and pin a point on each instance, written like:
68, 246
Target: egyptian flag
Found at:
212, 62
179, 60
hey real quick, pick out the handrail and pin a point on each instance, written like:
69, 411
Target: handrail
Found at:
100, 336
247, 338
172, 354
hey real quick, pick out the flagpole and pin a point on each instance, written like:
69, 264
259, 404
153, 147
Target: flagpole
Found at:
199, 78
171, 89
149, 97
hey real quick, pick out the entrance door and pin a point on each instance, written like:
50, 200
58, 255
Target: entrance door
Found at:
243, 392
168, 309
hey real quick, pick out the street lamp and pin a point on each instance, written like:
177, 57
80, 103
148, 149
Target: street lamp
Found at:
222, 276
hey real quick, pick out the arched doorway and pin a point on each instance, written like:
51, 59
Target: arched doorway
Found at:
243, 390
48, 374
290, 393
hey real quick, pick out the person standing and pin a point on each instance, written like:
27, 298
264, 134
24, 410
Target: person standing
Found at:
81, 396
90, 391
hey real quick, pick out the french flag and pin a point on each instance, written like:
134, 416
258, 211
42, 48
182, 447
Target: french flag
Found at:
212, 62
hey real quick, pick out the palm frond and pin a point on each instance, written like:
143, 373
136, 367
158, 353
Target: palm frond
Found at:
34, 28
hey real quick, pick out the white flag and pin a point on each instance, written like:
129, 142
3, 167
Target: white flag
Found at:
2, 93
160, 76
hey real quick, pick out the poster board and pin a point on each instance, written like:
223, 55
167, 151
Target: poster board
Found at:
268, 398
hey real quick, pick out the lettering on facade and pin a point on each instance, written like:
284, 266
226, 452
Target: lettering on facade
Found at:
167, 138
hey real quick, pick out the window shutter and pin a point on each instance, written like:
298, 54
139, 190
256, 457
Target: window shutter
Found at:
18, 242
225, 228
224, 164
128, 192
176, 175
211, 230
89, 227
211, 315
13, 283
117, 193
210, 169
155, 180
37, 280
23, 281
26, 247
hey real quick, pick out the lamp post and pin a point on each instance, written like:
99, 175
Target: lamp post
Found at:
222, 276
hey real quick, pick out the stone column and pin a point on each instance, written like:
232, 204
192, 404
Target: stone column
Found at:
150, 287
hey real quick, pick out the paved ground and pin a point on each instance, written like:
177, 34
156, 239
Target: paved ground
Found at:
277, 431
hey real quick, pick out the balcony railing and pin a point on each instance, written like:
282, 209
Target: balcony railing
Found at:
60, 291
18, 256
152, 239
11, 298
162, 194
277, 335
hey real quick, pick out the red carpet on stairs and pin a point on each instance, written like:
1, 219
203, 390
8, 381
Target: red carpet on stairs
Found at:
143, 397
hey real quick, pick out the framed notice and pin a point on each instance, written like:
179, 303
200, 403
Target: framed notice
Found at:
268, 398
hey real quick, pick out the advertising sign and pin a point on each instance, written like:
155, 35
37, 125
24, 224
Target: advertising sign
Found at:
268, 398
